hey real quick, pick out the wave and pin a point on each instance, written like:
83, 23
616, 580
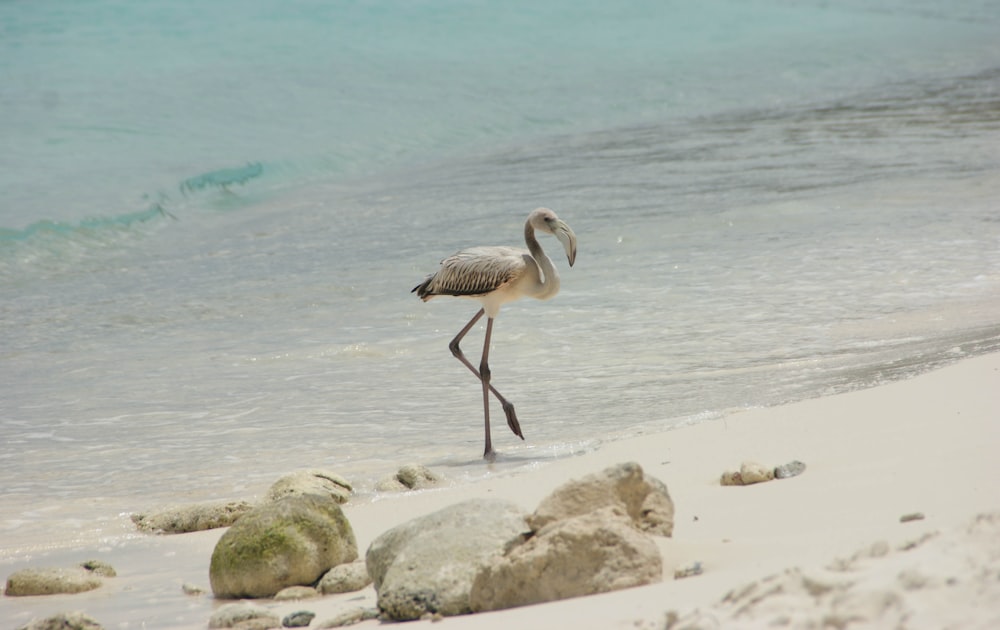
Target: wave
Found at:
50, 245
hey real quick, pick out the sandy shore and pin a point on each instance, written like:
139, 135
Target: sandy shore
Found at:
929, 445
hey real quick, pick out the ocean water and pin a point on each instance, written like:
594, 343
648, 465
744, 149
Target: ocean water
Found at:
212, 214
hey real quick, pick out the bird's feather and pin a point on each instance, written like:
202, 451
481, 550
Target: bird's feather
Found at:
475, 271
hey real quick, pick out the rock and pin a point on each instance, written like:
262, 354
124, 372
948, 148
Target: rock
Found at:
51, 581
687, 571
791, 469
244, 616
299, 619
411, 477
752, 472
644, 499
102, 569
192, 589
428, 564
312, 481
913, 516
581, 555
730, 478
290, 542
192, 518
65, 621
349, 618
293, 593
345, 578
416, 476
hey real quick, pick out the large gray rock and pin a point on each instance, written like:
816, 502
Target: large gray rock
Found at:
51, 581
581, 555
644, 499
192, 518
311, 481
427, 565
64, 621
289, 542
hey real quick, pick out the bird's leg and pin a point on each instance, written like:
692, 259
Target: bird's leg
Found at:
484, 376
508, 407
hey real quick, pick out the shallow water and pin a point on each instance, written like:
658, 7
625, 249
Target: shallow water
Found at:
208, 245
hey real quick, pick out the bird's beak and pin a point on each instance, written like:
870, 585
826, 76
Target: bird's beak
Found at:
567, 238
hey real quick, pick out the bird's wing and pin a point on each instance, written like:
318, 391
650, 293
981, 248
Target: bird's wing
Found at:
476, 271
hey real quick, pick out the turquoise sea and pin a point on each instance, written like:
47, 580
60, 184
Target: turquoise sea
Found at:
212, 214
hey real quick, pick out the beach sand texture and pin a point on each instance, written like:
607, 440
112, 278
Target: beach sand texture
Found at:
825, 547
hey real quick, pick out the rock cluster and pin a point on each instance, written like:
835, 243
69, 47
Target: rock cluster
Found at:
215, 514
753, 472
589, 536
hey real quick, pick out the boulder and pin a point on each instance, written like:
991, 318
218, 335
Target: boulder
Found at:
311, 481
643, 499
51, 581
591, 553
345, 578
428, 564
411, 477
64, 621
290, 542
192, 518
244, 616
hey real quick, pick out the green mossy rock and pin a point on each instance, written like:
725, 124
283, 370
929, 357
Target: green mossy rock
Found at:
290, 542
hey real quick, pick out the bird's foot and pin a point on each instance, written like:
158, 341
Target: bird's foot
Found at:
490, 455
512, 422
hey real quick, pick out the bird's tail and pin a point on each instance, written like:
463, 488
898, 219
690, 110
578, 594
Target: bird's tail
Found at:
423, 289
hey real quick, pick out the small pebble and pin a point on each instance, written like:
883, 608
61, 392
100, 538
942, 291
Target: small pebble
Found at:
299, 619
97, 567
292, 593
688, 571
791, 469
351, 617
913, 516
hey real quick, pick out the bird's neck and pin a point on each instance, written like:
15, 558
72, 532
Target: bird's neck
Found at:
549, 276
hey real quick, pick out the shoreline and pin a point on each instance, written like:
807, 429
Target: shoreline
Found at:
925, 444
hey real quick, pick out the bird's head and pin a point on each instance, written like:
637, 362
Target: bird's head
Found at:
545, 220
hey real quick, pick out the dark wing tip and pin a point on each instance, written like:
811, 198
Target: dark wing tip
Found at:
423, 289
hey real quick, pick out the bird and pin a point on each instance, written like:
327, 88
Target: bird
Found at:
494, 276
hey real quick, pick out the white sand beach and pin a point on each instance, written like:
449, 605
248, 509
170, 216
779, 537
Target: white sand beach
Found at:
927, 445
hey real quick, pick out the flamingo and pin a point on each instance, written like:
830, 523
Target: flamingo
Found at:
494, 276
